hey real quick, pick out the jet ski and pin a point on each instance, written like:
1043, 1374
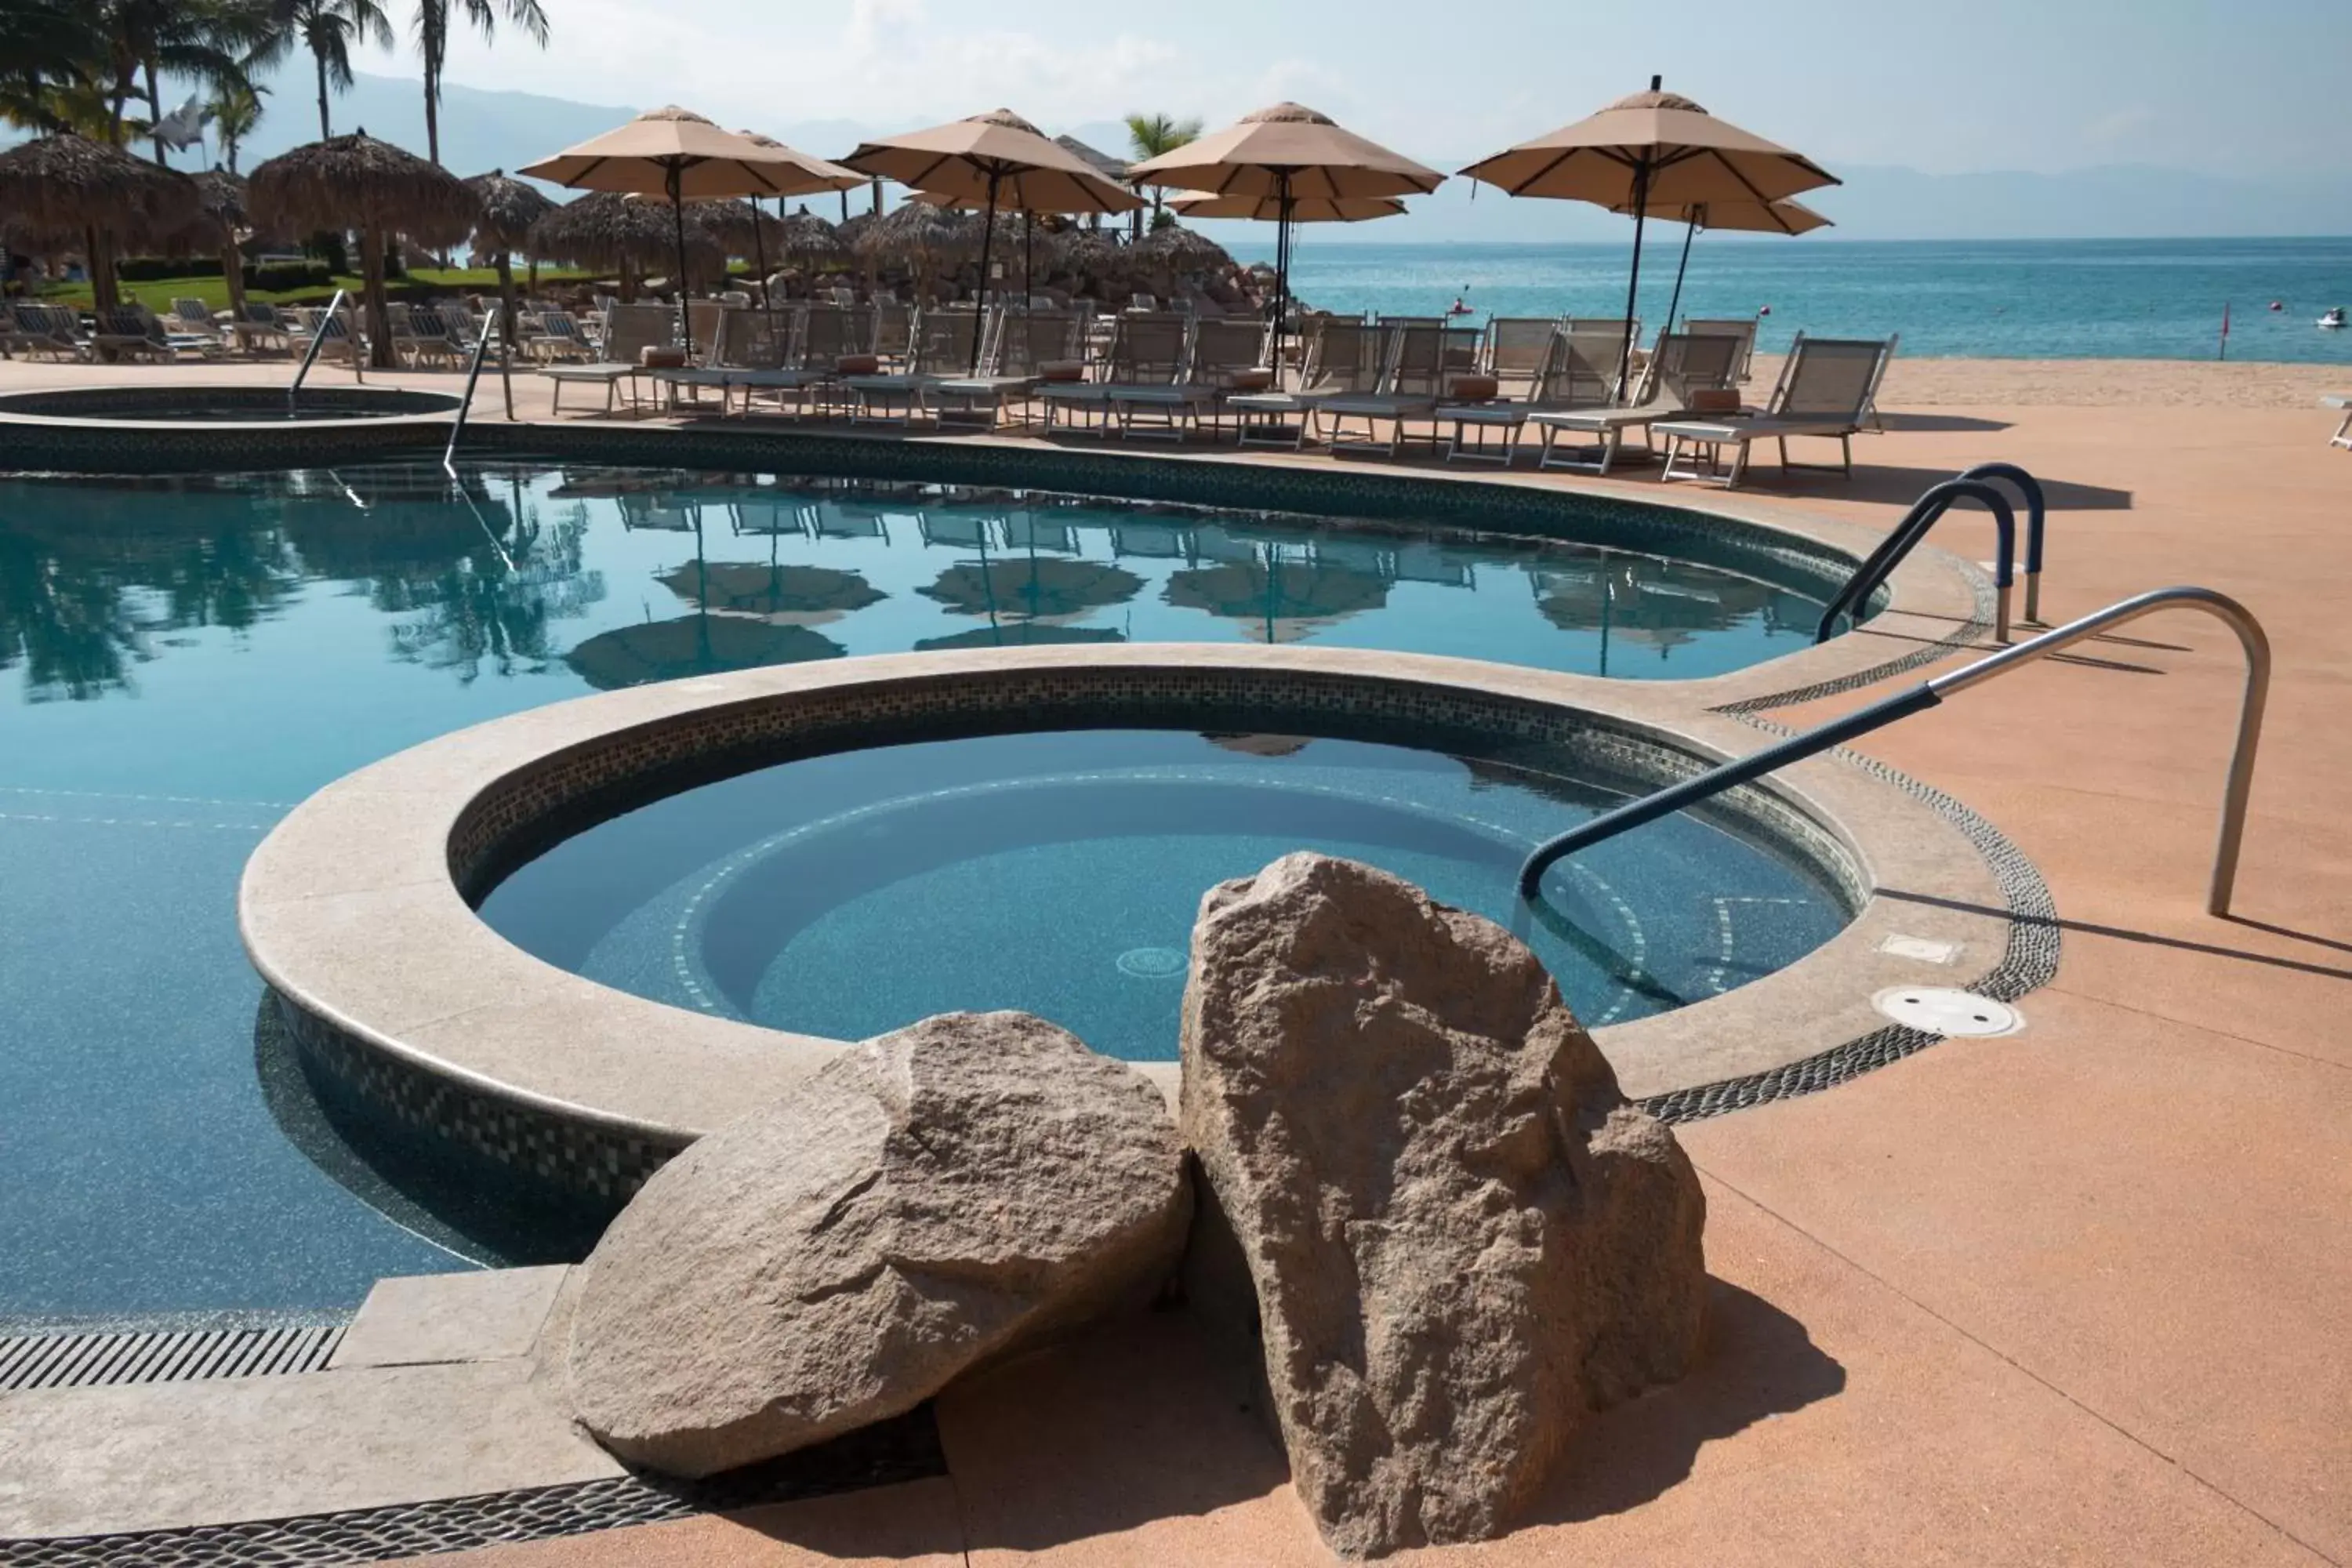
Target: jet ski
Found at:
2333, 320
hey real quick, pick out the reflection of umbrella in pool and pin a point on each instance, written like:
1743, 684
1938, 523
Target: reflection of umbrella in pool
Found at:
693, 644
1280, 597
794, 595
1039, 589
1021, 633
1262, 745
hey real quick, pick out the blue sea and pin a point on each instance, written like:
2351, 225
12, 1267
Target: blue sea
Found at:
2123, 299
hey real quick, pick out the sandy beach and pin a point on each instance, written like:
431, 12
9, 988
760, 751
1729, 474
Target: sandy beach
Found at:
2095, 383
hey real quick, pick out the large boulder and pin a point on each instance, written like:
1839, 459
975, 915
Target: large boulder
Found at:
925, 1201
1461, 1237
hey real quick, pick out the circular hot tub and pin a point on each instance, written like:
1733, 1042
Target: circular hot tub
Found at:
166, 425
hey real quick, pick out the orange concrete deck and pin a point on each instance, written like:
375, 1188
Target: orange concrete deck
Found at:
2081, 1294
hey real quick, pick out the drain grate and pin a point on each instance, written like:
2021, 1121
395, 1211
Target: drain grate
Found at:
97, 1360
1940, 1010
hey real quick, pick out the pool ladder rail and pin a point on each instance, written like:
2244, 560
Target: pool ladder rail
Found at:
318, 341
1930, 693
1974, 485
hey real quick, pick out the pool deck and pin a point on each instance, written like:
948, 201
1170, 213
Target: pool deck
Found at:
2082, 1293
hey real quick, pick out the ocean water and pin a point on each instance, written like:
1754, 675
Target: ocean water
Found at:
1993, 298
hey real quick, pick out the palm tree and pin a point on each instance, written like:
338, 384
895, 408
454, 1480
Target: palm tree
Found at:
146, 41
326, 29
433, 45
235, 111
49, 55
1150, 135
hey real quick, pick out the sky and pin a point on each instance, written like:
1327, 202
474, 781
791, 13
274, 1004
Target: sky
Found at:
2251, 88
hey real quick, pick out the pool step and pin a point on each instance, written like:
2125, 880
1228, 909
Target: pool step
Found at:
95, 1359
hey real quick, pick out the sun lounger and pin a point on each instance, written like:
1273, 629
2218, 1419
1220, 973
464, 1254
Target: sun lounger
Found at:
1028, 346
1147, 349
942, 348
558, 340
195, 318
1827, 389
48, 332
1516, 348
629, 330
1679, 370
812, 346
1410, 389
2343, 437
1742, 327
260, 327
1341, 355
133, 333
1225, 356
1579, 367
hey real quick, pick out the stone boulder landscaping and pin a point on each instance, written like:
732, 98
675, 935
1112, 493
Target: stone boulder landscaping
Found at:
925, 1202
1461, 1237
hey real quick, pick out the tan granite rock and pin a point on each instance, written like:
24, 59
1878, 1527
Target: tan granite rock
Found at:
1460, 1236
926, 1201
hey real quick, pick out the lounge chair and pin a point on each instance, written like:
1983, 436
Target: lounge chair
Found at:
131, 332
1682, 368
260, 327
1342, 354
48, 332
1147, 349
809, 345
1029, 346
629, 330
1227, 355
331, 331
1516, 348
1568, 377
1827, 389
195, 318
1411, 386
942, 348
2343, 437
558, 338
727, 350
894, 331
421, 336
1742, 327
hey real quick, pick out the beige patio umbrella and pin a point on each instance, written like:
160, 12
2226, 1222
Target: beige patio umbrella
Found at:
679, 154
68, 184
1268, 209
823, 174
1645, 151
1288, 153
998, 160
359, 182
608, 229
1783, 216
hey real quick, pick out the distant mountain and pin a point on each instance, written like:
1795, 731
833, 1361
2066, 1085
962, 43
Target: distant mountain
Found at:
482, 130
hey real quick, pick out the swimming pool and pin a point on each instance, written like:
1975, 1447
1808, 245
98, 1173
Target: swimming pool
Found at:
1059, 873
181, 661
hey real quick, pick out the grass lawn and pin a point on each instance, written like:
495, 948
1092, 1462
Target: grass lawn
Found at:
158, 295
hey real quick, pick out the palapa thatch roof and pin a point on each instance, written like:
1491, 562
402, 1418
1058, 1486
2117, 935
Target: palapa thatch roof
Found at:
917, 229
1112, 168
61, 184
358, 181
605, 229
803, 234
735, 227
510, 208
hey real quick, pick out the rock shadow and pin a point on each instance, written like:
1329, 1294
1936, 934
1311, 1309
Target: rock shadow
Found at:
1758, 1362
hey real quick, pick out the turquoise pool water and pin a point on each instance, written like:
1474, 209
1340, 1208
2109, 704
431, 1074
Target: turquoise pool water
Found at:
1059, 873
182, 661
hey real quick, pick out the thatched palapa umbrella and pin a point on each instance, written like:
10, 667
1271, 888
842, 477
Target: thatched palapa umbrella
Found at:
996, 160
358, 181
510, 211
69, 184
220, 218
607, 229
921, 232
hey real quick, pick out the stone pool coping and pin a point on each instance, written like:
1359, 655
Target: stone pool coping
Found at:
73, 444
353, 912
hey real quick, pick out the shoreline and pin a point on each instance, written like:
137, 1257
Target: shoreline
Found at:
1926, 382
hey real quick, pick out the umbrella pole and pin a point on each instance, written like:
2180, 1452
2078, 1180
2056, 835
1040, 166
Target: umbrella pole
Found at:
987, 235
1684, 265
1633, 284
677, 214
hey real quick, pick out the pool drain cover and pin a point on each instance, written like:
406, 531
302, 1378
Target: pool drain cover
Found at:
1151, 962
1941, 1010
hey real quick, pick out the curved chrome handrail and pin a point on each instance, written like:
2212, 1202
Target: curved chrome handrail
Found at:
318, 341
466, 406
2037, 519
1926, 694
1932, 504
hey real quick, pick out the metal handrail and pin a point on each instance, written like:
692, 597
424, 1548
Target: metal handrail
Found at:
473, 378
318, 342
1880, 563
1930, 692
2037, 519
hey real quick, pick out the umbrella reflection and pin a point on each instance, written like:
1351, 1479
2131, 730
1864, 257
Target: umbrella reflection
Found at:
693, 644
1283, 595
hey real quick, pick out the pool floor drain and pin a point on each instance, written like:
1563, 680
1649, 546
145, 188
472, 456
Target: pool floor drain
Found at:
1942, 1011
1151, 962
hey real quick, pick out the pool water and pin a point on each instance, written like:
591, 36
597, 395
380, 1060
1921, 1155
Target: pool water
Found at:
1060, 873
182, 661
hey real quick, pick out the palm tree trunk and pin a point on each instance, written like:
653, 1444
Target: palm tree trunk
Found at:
155, 116
380, 355
323, 131
432, 113
232, 274
101, 253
